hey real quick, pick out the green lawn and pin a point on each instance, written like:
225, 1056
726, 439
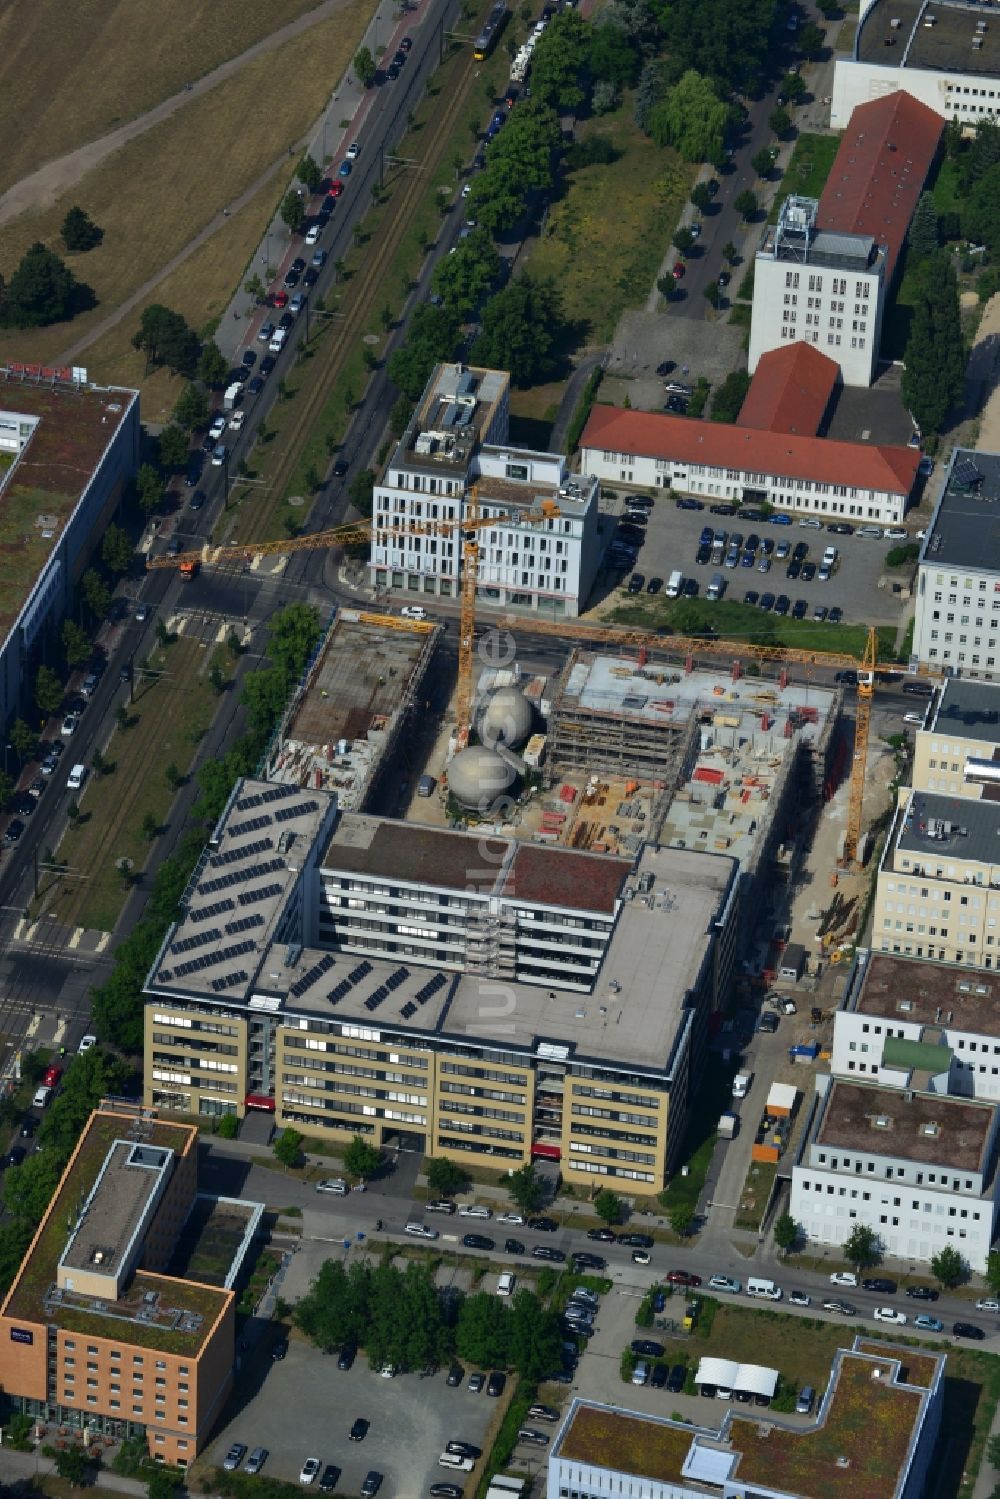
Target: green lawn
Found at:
808, 169
744, 622
896, 327
605, 258
945, 192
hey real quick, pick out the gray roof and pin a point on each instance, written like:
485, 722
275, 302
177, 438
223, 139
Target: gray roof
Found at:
965, 529
951, 828
969, 710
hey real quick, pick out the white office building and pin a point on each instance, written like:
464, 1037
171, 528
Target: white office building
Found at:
919, 1169
945, 53
456, 439
957, 624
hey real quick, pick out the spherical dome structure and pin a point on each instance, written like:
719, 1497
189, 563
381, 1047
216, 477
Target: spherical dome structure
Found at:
478, 776
506, 718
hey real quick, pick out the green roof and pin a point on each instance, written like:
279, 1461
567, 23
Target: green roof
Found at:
915, 1056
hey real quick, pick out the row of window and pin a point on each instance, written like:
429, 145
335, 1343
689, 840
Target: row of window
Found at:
927, 1208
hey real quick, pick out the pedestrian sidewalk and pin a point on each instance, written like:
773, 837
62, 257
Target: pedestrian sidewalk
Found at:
19, 1467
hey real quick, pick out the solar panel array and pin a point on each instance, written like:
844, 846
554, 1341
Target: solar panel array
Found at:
216, 909
252, 825
346, 985
231, 855
251, 897
244, 924
316, 972
230, 980
361, 972
212, 959
285, 814
408, 1009
264, 798
430, 988
239, 876
211, 934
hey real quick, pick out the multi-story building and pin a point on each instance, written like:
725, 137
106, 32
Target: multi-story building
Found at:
457, 440
919, 1169
957, 624
95, 1335
604, 1452
911, 1024
476, 994
957, 752
69, 451
823, 272
946, 54
937, 893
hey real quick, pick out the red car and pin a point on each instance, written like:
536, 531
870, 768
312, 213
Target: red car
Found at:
52, 1076
335, 189
678, 270
683, 1278
281, 299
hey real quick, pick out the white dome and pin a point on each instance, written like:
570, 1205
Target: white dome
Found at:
478, 776
506, 718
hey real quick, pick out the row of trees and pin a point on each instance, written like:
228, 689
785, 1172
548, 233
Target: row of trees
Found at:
863, 1249
400, 1317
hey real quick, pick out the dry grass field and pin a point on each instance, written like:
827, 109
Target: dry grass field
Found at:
157, 193
71, 72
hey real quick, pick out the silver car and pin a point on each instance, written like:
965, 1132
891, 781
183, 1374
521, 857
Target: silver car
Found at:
256, 1460
234, 1457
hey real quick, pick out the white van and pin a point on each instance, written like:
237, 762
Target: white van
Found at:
765, 1289
456, 1461
674, 584
640, 1374
505, 1285
76, 777
830, 557
41, 1098
278, 340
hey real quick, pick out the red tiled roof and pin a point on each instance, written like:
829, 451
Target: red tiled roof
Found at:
879, 172
651, 434
564, 877
790, 390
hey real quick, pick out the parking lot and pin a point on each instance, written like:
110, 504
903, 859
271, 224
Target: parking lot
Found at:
304, 1406
672, 542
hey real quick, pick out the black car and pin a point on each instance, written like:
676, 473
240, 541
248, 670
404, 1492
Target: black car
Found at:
654, 585
15, 828
372, 1484
703, 556
689, 504
636, 1241
658, 1378
28, 1127
266, 366
23, 804
601, 1235
636, 583
513, 1246
392, 71
495, 1385
766, 602
543, 1252
835, 615
666, 368
197, 500
751, 597
249, 358
922, 1293
256, 386
340, 468
677, 1379
359, 1430
478, 1241
328, 1481
800, 551
346, 1356
808, 571
768, 1022
689, 588
298, 264
722, 509
799, 609
455, 1376
399, 58
959, 1329
793, 570
543, 1225
193, 474
286, 320
292, 278
840, 528
646, 1348
880, 1283
15, 1155
782, 604
849, 678
589, 1262
207, 443
279, 1350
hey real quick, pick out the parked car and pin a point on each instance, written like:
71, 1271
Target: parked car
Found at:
725, 1283
234, 1457
843, 1278
968, 1330
880, 1283
889, 1314
478, 1241
922, 1293
647, 1348
927, 1323
544, 1252
842, 1308
682, 1278
256, 1460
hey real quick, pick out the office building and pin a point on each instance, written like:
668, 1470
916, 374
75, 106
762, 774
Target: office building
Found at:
926, 1026
68, 449
945, 54
98, 1335
457, 439
475, 995
823, 272
937, 893
873, 1434
957, 752
957, 624
919, 1169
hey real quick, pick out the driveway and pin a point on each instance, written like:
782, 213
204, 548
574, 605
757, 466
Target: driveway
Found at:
304, 1406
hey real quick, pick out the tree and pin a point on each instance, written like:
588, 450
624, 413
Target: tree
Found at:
288, 1147
116, 549
191, 409
702, 196
364, 67
362, 1159
212, 365
526, 1188
811, 41
309, 173
166, 339
292, 210
76, 643
712, 293
445, 1177
463, 280
682, 1219
862, 1247
779, 121
520, 327
42, 290
150, 826
730, 254
72, 1465
96, 592
558, 62
292, 634
173, 447
949, 1268
934, 359
149, 487
23, 740
608, 1206
161, 1483
993, 1271
649, 92
786, 1231
683, 239
535, 1337
613, 59
7, 784
79, 232
483, 1331
745, 204
48, 691
981, 211
922, 238
762, 161
691, 118
729, 396
793, 86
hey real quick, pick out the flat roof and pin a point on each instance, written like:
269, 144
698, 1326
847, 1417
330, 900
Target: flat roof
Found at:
154, 1311
790, 390
455, 414
924, 993
945, 47
933, 1129
968, 710
46, 481
545, 877
117, 1205
239, 890
965, 528
950, 828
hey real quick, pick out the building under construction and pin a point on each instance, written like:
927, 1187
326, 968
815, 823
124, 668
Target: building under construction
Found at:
346, 719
